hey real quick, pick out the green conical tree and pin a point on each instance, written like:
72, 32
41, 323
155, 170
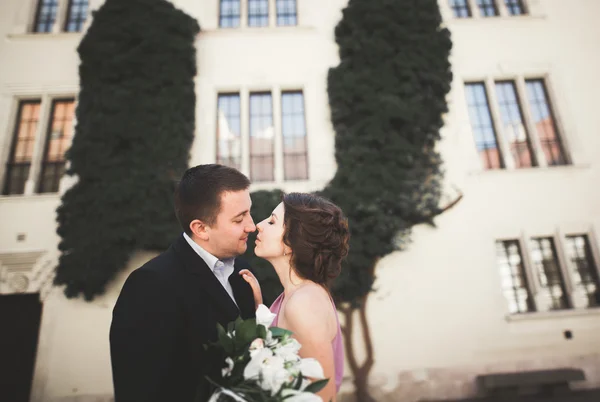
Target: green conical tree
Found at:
263, 203
387, 98
135, 126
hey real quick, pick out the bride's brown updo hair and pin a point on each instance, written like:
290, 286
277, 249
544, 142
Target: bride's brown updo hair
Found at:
317, 232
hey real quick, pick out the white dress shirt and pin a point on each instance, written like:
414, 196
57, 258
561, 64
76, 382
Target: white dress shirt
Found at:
222, 269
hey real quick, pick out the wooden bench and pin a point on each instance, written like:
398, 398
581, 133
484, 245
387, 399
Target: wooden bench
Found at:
538, 382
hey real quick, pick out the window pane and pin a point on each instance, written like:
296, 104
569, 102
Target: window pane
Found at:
547, 268
460, 8
515, 7
229, 15
229, 140
45, 15
584, 271
545, 125
76, 15
60, 134
293, 129
512, 273
258, 13
286, 12
513, 126
487, 8
19, 161
482, 126
262, 164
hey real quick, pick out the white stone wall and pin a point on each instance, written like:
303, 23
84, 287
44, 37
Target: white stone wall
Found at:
438, 316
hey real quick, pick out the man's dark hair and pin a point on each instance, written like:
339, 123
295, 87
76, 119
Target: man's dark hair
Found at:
198, 194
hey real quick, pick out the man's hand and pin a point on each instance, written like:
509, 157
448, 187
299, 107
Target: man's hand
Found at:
251, 279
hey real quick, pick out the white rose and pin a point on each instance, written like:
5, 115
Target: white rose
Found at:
264, 316
270, 340
226, 371
288, 350
255, 346
267, 369
274, 375
311, 368
253, 368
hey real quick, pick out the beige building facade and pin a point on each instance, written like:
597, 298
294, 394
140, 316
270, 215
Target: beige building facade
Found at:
508, 280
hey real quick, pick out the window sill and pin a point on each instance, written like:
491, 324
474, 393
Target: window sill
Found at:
523, 17
28, 197
579, 166
543, 315
43, 35
258, 30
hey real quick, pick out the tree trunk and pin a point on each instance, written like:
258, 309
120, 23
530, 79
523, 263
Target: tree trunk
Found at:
360, 372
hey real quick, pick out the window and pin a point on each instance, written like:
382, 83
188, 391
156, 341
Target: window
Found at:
229, 140
60, 133
460, 8
293, 130
544, 123
266, 147
514, 281
515, 7
583, 269
483, 127
286, 12
514, 131
76, 15
547, 268
262, 161
258, 13
229, 14
487, 8
549, 274
52, 146
45, 15
19, 161
513, 127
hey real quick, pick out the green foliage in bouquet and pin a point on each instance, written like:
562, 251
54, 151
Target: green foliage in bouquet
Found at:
135, 126
262, 363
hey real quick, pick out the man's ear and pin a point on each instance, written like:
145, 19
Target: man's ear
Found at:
199, 229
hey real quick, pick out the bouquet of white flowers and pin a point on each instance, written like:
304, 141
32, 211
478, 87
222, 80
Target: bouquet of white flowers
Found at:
262, 364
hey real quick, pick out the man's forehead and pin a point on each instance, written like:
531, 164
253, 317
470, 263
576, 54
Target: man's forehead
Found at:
235, 201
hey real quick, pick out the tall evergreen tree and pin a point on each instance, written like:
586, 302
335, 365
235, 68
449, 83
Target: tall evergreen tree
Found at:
135, 126
263, 203
387, 98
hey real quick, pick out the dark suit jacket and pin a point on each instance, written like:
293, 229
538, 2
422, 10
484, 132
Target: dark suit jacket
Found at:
166, 311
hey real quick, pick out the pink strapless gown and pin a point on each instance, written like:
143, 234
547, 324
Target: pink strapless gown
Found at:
336, 344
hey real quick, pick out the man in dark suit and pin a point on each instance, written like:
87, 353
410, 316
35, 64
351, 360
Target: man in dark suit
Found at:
170, 306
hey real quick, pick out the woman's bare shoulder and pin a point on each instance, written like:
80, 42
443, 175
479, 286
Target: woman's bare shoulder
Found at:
308, 307
308, 296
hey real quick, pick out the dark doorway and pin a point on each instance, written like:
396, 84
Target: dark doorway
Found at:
20, 325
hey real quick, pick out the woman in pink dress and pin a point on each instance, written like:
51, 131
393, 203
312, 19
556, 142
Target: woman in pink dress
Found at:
305, 239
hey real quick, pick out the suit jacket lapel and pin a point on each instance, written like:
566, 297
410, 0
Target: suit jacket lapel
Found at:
195, 266
242, 292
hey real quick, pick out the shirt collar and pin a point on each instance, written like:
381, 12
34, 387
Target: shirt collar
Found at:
208, 258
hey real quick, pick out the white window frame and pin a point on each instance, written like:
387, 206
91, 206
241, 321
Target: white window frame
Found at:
559, 237
32, 183
244, 16
521, 91
278, 162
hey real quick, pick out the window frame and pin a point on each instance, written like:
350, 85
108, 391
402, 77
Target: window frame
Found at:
564, 266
